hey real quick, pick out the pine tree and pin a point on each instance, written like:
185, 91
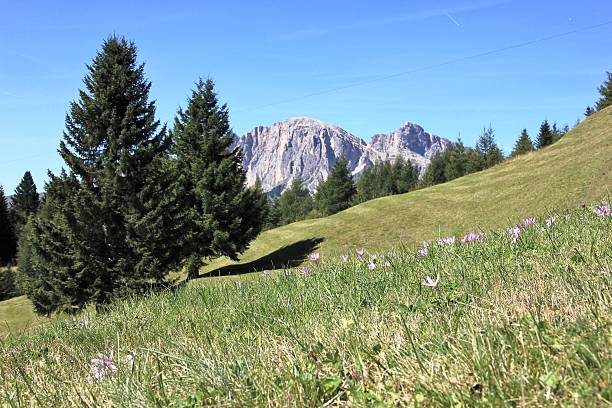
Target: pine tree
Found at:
605, 90
523, 144
405, 176
456, 161
273, 216
224, 215
295, 203
488, 149
436, 170
545, 136
25, 200
337, 192
8, 243
110, 226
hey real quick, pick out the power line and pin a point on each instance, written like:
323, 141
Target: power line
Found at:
433, 66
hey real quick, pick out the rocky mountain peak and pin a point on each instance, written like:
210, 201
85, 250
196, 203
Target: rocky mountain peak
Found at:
308, 148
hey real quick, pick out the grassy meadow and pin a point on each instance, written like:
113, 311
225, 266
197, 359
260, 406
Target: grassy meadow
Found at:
575, 170
525, 324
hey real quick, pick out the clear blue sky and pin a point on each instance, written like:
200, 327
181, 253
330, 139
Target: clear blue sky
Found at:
263, 53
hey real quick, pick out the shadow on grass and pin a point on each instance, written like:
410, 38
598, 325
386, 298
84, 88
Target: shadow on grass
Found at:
286, 257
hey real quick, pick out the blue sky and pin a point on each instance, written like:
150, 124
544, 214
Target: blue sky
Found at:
267, 57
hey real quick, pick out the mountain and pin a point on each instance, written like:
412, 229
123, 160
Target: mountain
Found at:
308, 148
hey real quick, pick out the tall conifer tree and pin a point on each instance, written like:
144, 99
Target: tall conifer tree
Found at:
523, 144
110, 225
545, 136
337, 192
25, 200
224, 215
605, 90
8, 243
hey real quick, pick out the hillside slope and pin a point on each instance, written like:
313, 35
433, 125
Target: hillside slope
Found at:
574, 170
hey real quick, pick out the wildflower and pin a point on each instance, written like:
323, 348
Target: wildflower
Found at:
102, 366
472, 236
371, 266
430, 282
360, 252
314, 257
266, 274
527, 222
387, 264
425, 244
238, 284
129, 358
287, 273
446, 241
566, 217
306, 270
84, 323
603, 210
551, 220
423, 252
344, 258
514, 233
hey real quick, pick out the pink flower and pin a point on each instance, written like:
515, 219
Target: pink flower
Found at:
314, 257
430, 282
551, 220
84, 323
266, 274
371, 266
306, 270
101, 366
425, 244
423, 252
603, 210
446, 241
360, 252
344, 258
514, 233
528, 222
472, 236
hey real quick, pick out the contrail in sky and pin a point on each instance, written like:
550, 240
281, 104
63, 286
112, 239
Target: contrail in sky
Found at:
451, 18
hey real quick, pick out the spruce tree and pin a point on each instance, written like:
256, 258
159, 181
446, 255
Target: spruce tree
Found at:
589, 111
337, 192
405, 176
488, 149
436, 170
224, 215
605, 90
25, 200
545, 136
8, 243
295, 203
523, 144
110, 225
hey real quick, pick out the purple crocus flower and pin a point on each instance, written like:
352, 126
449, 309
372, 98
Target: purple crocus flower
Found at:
84, 323
101, 366
306, 270
566, 217
266, 274
371, 266
423, 252
314, 257
238, 284
425, 244
527, 222
471, 237
446, 241
550, 221
344, 258
514, 233
603, 210
360, 252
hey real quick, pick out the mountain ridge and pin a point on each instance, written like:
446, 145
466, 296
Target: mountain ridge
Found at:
307, 148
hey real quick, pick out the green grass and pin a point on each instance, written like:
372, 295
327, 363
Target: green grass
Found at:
575, 170
525, 324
